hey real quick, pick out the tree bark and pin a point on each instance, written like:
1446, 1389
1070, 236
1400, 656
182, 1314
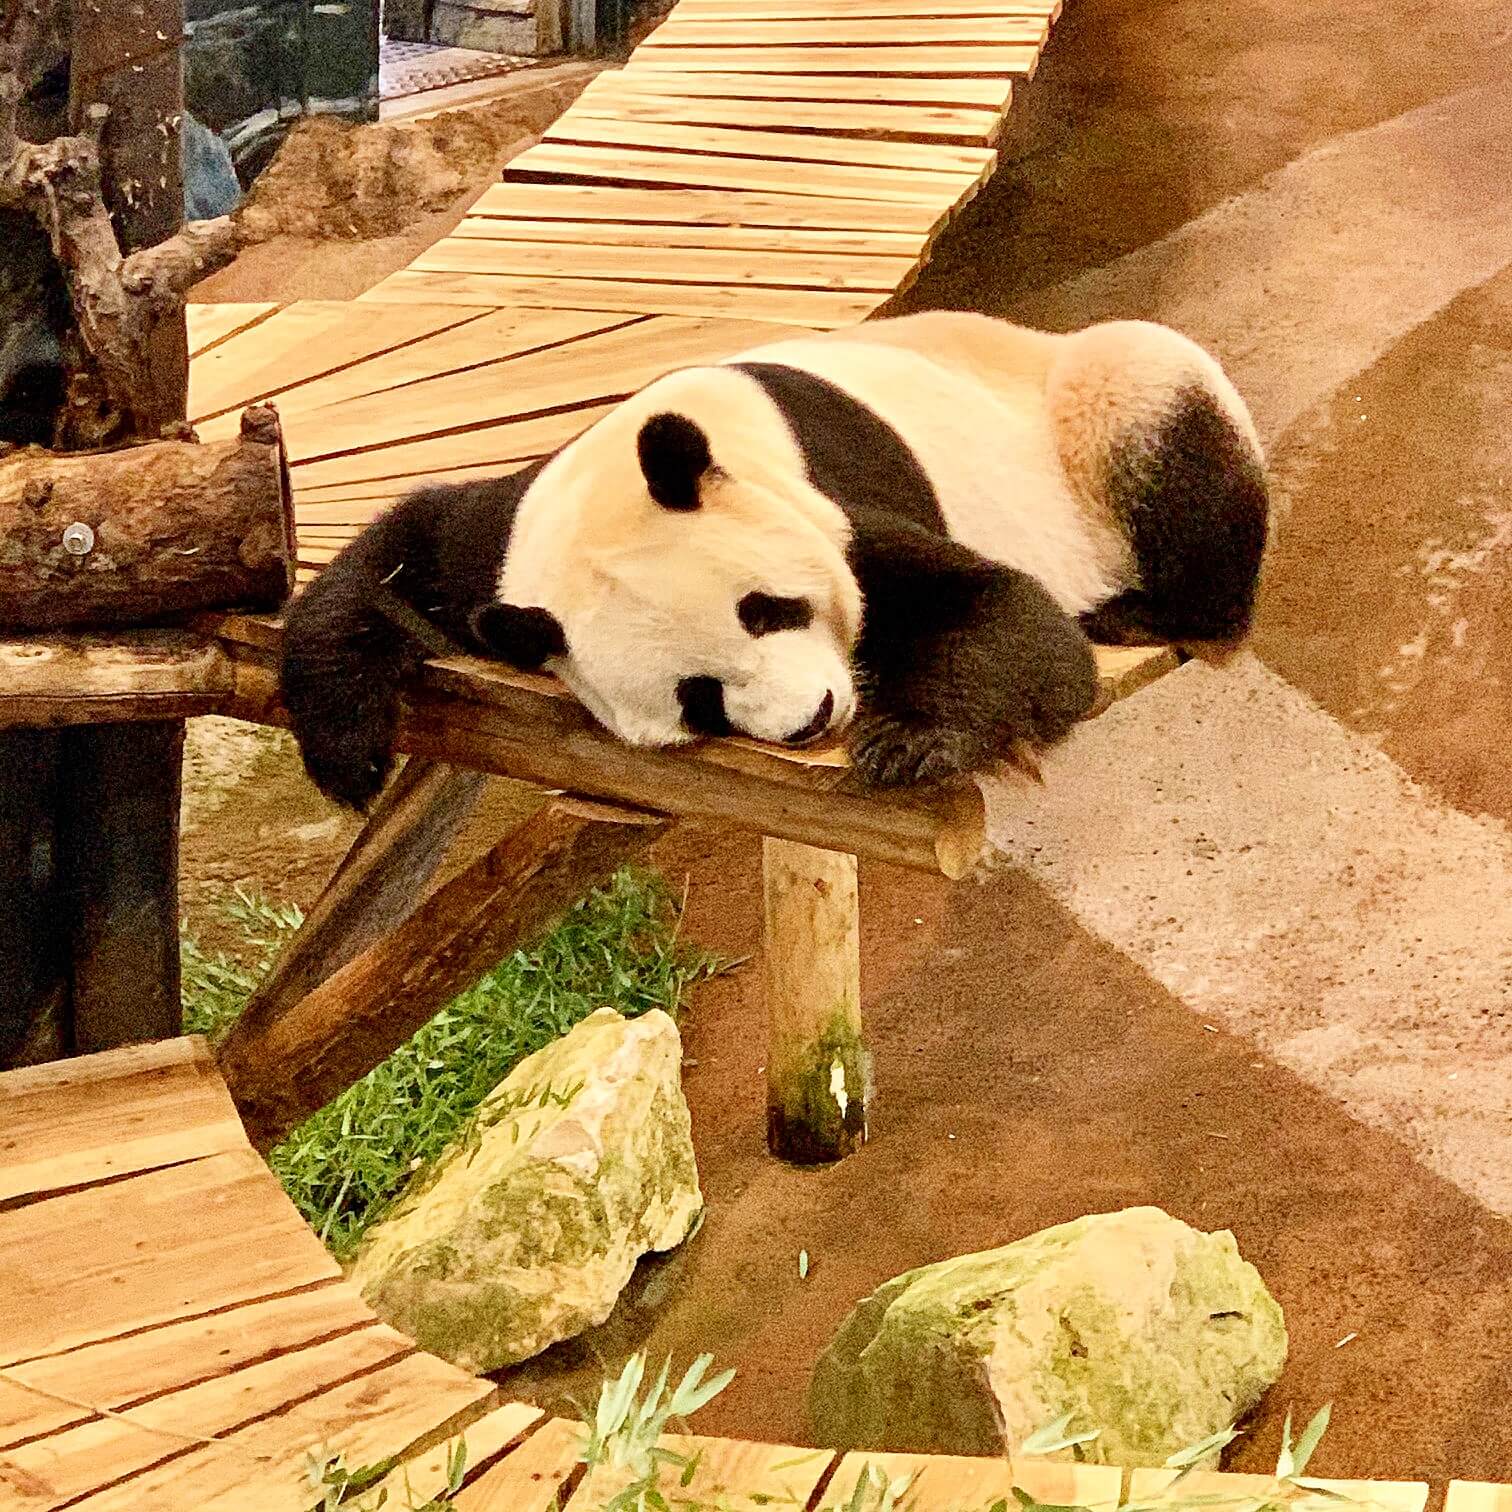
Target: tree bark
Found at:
132, 537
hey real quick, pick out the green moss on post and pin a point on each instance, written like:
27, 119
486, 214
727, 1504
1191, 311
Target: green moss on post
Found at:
818, 1071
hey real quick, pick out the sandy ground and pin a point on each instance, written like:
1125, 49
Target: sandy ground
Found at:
1253, 963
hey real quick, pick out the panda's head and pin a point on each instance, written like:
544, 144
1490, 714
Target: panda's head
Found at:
682, 576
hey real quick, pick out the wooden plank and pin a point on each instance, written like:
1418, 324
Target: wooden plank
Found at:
528, 1479
262, 1468
304, 341
97, 1117
608, 368
1382, 1496
82, 678
944, 1483
1013, 60
426, 1475
288, 1059
897, 121
495, 337
1477, 1496
731, 1474
818, 308
1123, 670
64, 1287
405, 463
909, 244
687, 29
114, 1375
698, 207
904, 186
212, 323
92, 1455
798, 10
973, 163
774, 268
655, 75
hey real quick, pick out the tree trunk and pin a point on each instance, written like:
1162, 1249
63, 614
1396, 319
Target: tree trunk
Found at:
131, 537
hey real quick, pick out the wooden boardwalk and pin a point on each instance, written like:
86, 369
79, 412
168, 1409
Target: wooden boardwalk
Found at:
173, 1338
758, 168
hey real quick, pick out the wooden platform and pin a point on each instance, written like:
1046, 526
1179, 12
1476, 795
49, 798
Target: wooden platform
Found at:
758, 168
173, 1336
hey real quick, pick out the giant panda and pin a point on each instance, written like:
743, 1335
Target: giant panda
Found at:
909, 531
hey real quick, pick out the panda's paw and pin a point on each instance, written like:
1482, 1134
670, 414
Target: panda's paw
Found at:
888, 751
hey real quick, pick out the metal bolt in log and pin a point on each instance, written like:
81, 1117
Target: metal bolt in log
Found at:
818, 1070
113, 539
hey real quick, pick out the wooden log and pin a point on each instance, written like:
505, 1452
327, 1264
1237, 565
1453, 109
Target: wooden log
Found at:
479, 715
282, 1067
819, 1082
377, 884
118, 826
130, 537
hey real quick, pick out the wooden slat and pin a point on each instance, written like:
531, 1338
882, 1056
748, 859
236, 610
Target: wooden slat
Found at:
1477, 1496
83, 678
66, 1284
814, 307
656, 75
608, 368
798, 10
210, 323
108, 1115
805, 270
731, 1474
699, 207
613, 234
1383, 1496
300, 342
688, 29
944, 1483
973, 163
1013, 60
498, 336
96, 1454
113, 1375
481, 1444
261, 1468
903, 186
896, 121
528, 1479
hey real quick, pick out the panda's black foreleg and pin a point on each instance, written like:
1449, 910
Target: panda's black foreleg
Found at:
962, 663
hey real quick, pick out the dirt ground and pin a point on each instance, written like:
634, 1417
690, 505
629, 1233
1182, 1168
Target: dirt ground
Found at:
1028, 1071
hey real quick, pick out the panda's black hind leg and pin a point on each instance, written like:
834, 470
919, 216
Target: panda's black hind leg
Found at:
1193, 499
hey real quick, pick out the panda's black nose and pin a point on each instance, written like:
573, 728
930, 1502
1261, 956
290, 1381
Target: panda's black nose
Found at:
817, 725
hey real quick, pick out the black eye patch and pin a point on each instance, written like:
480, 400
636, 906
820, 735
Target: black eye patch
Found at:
703, 710
766, 613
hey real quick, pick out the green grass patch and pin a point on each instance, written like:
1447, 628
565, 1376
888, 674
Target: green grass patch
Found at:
344, 1167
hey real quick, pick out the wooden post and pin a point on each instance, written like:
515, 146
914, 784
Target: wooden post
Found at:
818, 1071
283, 1065
378, 882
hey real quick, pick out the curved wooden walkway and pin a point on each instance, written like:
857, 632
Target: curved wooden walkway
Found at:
758, 167
173, 1338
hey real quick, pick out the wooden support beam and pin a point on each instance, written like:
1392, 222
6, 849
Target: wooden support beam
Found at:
819, 1082
283, 1066
378, 883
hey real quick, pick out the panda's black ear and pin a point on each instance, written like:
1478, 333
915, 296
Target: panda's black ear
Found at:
525, 638
674, 456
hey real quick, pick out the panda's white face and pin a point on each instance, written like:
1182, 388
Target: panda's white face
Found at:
697, 593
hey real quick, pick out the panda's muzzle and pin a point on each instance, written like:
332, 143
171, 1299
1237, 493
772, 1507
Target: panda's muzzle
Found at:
703, 712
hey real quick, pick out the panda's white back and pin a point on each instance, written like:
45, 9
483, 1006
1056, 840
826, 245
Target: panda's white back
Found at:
967, 395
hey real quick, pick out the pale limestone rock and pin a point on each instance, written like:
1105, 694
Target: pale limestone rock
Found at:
1138, 1325
525, 1233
